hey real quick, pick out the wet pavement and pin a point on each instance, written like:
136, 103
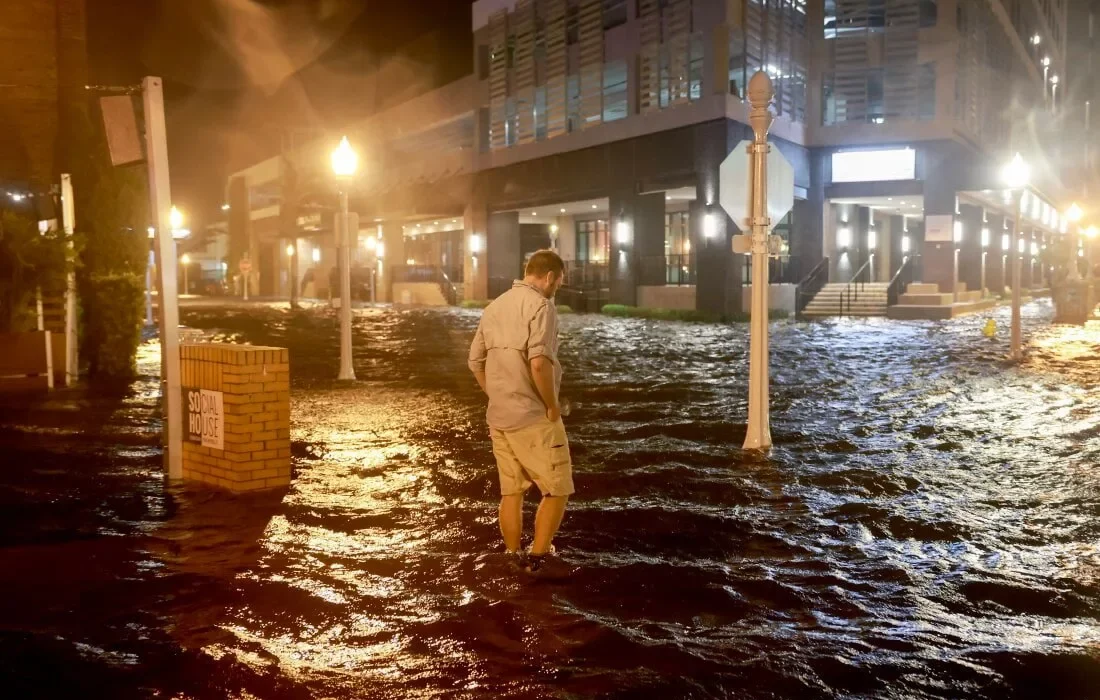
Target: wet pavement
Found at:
926, 526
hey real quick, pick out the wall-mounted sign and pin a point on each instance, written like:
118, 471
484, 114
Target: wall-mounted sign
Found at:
875, 166
204, 417
939, 229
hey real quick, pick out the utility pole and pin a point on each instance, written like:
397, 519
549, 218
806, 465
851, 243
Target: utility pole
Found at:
68, 219
759, 436
160, 197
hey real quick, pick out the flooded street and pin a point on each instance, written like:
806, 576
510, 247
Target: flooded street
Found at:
925, 527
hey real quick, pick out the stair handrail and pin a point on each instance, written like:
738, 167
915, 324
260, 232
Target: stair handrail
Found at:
809, 286
850, 287
893, 291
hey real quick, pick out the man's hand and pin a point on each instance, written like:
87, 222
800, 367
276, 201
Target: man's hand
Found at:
553, 414
480, 376
542, 371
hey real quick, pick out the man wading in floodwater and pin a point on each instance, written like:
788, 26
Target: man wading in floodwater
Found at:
515, 359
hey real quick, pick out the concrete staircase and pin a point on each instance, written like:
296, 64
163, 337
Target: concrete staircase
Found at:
871, 300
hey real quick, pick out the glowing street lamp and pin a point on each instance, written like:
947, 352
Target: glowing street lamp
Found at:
345, 161
1016, 176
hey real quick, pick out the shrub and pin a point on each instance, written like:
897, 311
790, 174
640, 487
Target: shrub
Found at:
29, 261
474, 303
113, 309
565, 309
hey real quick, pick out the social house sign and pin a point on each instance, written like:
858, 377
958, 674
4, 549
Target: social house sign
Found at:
204, 417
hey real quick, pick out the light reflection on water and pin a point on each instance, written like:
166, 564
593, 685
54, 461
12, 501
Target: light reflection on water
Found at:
924, 527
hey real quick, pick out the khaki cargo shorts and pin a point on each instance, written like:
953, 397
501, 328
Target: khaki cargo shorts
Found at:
538, 454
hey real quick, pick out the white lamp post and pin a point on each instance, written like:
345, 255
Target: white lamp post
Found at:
1016, 175
344, 164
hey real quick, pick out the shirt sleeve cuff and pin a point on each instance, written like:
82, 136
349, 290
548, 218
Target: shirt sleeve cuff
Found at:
476, 365
534, 351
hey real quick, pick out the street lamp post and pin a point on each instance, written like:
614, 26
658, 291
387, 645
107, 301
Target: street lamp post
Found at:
344, 164
1016, 175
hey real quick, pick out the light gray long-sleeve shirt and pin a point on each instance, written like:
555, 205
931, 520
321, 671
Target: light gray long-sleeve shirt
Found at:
518, 326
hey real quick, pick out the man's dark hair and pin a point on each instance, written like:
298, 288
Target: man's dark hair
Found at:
544, 261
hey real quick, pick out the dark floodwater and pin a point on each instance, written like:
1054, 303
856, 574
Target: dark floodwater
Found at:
926, 526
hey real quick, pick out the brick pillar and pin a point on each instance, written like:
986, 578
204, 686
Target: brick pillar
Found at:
393, 249
475, 275
254, 387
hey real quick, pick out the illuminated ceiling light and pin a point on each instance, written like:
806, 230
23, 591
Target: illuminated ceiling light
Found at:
563, 210
1036, 40
225, 207
152, 232
1074, 213
534, 213
1046, 61
595, 206
553, 228
1054, 79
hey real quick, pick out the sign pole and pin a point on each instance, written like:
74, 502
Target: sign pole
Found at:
1017, 332
156, 149
68, 219
347, 369
758, 436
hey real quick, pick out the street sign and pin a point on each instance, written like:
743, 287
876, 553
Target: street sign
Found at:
204, 417
734, 191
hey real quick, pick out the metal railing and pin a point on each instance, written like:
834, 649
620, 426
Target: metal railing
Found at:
901, 279
429, 274
669, 270
781, 270
809, 286
585, 275
856, 284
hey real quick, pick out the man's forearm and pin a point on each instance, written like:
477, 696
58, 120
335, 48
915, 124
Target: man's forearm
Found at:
480, 376
542, 371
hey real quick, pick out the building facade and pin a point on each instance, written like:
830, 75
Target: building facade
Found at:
597, 127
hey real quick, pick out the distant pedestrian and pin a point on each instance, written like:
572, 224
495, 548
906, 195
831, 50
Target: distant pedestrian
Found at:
514, 357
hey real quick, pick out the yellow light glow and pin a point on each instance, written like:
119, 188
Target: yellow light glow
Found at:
1017, 173
185, 259
1091, 231
1074, 213
345, 161
175, 218
290, 249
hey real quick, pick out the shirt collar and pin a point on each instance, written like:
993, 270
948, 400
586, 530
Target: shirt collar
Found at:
520, 283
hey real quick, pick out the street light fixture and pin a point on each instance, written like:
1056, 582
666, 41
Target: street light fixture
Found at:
345, 161
1016, 175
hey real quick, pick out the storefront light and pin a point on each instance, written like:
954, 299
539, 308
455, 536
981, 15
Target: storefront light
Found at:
872, 239
710, 225
1036, 207
843, 238
475, 244
290, 250
380, 251
1006, 242
985, 237
1034, 248
1021, 247
370, 243
316, 255
905, 244
958, 231
622, 233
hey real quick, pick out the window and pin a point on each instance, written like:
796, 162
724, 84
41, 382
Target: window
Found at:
678, 263
573, 103
876, 111
614, 13
695, 68
926, 92
483, 62
614, 91
511, 122
540, 113
593, 241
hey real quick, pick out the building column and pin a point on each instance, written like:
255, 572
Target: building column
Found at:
995, 279
1026, 266
938, 256
717, 268
970, 247
503, 259
393, 255
475, 269
641, 218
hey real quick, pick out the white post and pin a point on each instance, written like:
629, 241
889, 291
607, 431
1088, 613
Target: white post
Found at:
40, 316
149, 289
68, 219
1017, 332
347, 370
759, 435
156, 149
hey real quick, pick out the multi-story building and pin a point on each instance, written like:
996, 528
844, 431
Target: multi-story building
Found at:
597, 127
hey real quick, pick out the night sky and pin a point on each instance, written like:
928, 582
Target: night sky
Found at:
238, 72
